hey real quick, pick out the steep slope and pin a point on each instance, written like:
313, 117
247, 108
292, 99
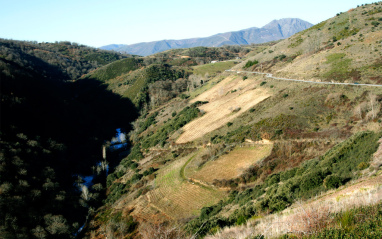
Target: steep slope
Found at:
275, 30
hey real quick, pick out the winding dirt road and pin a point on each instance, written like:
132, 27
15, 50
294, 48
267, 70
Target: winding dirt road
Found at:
269, 75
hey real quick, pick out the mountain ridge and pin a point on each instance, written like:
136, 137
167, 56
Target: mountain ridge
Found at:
275, 30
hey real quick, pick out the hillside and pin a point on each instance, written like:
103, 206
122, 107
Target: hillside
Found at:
235, 154
275, 30
345, 48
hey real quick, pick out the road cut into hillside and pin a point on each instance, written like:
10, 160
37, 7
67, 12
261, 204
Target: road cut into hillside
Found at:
226, 101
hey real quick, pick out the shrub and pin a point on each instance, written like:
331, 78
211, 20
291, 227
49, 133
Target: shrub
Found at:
273, 179
240, 220
332, 181
311, 180
183, 96
149, 171
263, 83
281, 57
250, 63
288, 174
362, 165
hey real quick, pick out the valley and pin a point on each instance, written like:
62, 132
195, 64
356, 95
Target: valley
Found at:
281, 139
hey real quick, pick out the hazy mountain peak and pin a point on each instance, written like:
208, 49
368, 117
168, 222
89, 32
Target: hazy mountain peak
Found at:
275, 30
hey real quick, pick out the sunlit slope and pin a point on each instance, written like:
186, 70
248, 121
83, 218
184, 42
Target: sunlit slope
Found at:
173, 196
345, 48
227, 166
226, 101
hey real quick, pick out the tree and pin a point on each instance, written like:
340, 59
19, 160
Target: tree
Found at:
56, 224
39, 232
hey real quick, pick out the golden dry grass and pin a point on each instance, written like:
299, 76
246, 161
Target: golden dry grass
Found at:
223, 106
230, 165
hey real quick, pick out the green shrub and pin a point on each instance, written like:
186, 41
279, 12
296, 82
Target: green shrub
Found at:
136, 177
149, 171
281, 57
311, 180
332, 181
250, 63
240, 220
362, 165
285, 175
263, 83
273, 179
183, 96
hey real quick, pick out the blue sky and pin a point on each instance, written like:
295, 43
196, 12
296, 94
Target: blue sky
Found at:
97, 23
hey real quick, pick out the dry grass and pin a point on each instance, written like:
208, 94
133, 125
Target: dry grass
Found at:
362, 48
307, 218
230, 165
230, 94
160, 231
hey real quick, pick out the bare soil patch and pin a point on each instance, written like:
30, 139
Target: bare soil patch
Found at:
227, 100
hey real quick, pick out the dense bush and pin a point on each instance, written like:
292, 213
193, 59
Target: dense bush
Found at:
332, 181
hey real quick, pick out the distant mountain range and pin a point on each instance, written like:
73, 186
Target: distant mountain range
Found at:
275, 30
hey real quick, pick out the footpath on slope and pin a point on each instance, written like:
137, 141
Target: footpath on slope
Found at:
269, 75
